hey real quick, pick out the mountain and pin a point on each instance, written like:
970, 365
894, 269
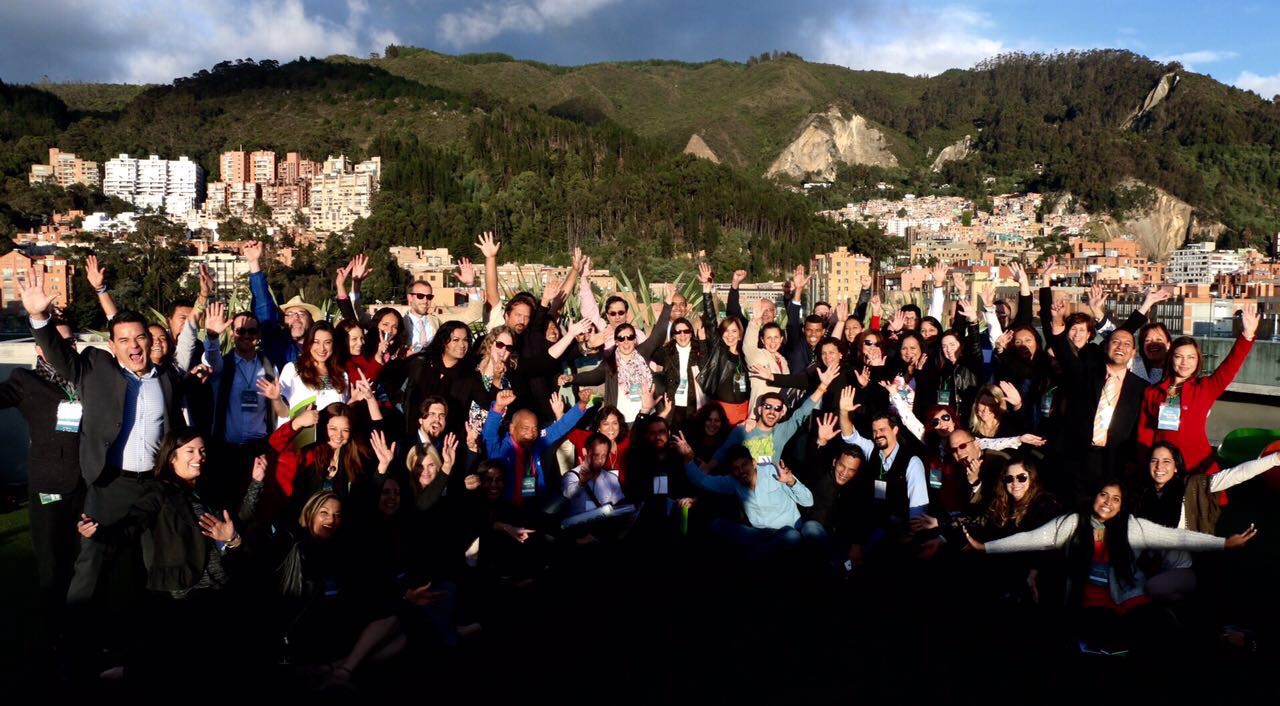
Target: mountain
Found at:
592, 153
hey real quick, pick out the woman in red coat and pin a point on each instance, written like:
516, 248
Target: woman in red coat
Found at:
1174, 410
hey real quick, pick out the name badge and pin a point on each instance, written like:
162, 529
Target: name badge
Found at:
529, 486
1099, 575
682, 392
944, 397
1170, 415
935, 478
633, 392
660, 486
49, 498
68, 419
882, 489
1046, 402
249, 401
740, 381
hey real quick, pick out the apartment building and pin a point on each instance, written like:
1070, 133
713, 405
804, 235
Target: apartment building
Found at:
294, 168
263, 166
57, 278
1201, 263
172, 186
837, 276
233, 167
343, 193
65, 169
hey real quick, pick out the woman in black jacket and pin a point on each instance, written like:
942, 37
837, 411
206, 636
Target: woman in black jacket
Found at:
725, 378
679, 358
194, 540
960, 363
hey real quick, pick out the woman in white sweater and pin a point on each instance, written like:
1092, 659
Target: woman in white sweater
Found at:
762, 345
1103, 577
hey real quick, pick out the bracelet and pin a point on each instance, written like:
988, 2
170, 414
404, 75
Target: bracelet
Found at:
101, 290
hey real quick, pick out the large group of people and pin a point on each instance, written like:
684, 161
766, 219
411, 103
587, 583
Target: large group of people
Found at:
348, 491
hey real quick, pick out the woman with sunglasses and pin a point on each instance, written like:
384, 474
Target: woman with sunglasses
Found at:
1176, 409
1170, 497
494, 371
680, 358
625, 372
941, 421
1104, 581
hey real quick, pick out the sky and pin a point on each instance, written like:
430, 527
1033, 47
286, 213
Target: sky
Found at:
154, 41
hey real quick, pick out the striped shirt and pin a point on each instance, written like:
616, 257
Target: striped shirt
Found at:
141, 426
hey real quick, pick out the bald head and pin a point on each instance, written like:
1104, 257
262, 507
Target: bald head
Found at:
524, 427
963, 446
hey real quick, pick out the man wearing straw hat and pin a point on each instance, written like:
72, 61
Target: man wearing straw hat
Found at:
280, 342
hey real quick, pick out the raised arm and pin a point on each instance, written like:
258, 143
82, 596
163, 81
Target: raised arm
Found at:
97, 277
489, 246
57, 350
1216, 383
1053, 534
1248, 470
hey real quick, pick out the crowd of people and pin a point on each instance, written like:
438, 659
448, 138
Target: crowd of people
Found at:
349, 491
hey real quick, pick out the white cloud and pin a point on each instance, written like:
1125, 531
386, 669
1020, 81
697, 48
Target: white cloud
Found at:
1191, 59
1265, 86
476, 25
911, 41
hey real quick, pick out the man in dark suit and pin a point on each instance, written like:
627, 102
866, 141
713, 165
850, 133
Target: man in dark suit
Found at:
53, 476
127, 405
1104, 399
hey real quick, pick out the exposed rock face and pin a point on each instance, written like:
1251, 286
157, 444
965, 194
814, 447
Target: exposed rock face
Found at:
1163, 226
952, 152
698, 148
828, 140
1157, 94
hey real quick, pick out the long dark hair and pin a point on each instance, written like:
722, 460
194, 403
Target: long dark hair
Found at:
176, 438
372, 336
1165, 506
436, 347
1004, 510
1168, 358
355, 453
306, 365
1115, 537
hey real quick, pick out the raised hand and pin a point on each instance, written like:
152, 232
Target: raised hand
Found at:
577, 259
1002, 342
473, 436
86, 526
739, 276
939, 274
1046, 275
1097, 298
1011, 394
252, 251
704, 274
359, 267
1032, 440
340, 280
757, 310
97, 276
557, 404
647, 398
682, 446
215, 319
1249, 320
957, 281
875, 306
1057, 312
207, 284
1154, 296
827, 429
784, 474
826, 377
308, 417
386, 454
966, 310
898, 321
504, 400
842, 311
988, 295
577, 328
488, 245
669, 293
799, 280
218, 529
863, 376
269, 389
259, 471
362, 390
847, 396
448, 452
552, 291
1019, 272
34, 299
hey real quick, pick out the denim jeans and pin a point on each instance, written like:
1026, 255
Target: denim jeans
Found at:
759, 542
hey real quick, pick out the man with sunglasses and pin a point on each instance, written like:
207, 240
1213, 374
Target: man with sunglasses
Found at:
423, 319
771, 432
242, 416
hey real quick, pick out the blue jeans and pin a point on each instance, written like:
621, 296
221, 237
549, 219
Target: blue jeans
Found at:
759, 542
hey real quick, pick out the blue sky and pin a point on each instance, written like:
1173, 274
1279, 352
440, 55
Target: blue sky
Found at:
156, 40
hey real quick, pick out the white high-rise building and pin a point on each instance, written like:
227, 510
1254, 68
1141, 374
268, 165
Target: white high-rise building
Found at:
172, 186
1201, 263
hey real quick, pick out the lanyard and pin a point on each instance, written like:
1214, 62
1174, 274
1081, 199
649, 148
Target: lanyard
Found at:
240, 373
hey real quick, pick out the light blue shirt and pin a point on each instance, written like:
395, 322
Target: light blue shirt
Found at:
772, 504
142, 424
243, 427
917, 481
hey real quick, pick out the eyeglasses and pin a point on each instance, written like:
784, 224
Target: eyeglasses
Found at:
501, 345
961, 447
420, 295
940, 420
295, 314
620, 339
247, 331
871, 344
772, 407
1019, 478
683, 332
618, 312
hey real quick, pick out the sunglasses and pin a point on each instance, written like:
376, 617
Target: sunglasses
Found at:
940, 420
501, 345
247, 331
684, 332
961, 447
420, 295
618, 312
1020, 478
772, 407
632, 337
871, 344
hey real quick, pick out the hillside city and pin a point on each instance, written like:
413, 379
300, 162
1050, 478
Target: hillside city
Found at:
308, 201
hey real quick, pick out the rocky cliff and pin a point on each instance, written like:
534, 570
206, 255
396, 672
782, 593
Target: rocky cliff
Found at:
699, 148
952, 152
1154, 96
828, 140
1163, 226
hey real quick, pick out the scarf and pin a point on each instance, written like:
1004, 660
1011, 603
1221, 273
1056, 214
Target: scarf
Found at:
633, 371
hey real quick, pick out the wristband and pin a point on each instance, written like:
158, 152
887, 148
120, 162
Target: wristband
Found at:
101, 290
